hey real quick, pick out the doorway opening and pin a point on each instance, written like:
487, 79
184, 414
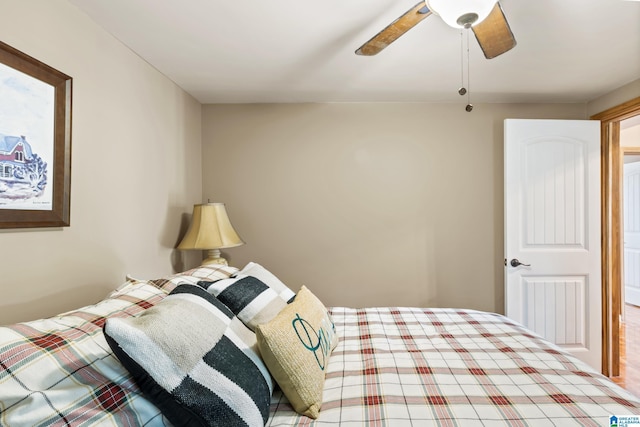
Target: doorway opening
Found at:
612, 226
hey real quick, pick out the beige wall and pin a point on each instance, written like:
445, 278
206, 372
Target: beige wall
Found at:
368, 204
630, 137
614, 98
135, 170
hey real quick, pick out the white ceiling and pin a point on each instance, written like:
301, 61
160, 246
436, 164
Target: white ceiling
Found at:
226, 51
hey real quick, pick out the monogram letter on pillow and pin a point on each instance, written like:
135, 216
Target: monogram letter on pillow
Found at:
296, 346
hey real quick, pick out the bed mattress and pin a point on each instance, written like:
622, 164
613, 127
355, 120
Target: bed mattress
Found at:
392, 367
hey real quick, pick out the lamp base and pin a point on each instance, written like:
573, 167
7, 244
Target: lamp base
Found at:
214, 257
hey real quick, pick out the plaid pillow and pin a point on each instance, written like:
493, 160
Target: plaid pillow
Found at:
209, 272
59, 371
194, 360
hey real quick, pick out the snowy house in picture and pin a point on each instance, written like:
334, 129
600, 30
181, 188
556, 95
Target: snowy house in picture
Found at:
23, 174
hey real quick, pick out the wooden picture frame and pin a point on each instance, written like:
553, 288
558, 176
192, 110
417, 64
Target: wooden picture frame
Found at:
35, 142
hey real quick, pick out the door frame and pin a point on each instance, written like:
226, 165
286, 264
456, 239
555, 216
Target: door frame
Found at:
611, 205
635, 150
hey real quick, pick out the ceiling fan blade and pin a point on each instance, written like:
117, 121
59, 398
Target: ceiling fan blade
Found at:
494, 34
394, 30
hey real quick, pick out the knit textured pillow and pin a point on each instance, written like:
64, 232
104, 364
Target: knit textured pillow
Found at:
296, 346
248, 298
254, 294
195, 360
265, 276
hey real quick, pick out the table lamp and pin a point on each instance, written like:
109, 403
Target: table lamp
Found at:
210, 230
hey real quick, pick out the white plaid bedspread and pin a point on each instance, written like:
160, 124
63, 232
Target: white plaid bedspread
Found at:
397, 367
61, 372
393, 367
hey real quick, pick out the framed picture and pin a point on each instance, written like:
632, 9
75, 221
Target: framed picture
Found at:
35, 142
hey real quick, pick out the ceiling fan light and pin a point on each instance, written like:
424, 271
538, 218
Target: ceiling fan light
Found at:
461, 13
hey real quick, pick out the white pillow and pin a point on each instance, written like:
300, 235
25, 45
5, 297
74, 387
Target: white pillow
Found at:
265, 276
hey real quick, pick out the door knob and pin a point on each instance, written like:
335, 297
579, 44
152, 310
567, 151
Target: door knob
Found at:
515, 263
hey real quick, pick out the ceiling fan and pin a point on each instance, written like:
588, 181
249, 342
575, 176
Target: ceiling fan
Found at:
484, 17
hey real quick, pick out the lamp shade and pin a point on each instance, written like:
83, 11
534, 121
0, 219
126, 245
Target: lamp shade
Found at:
461, 13
210, 229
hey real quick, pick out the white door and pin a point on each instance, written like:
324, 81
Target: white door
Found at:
552, 223
632, 233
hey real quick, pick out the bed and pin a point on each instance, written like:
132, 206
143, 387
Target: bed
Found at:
392, 366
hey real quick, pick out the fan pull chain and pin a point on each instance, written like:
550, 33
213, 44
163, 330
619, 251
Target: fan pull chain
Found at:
465, 90
462, 89
469, 106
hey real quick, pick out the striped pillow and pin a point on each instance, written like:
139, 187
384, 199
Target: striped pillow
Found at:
194, 360
254, 294
259, 272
